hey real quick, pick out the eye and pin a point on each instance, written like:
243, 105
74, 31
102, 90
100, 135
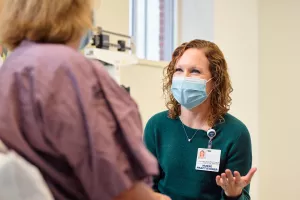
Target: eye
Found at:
195, 71
178, 70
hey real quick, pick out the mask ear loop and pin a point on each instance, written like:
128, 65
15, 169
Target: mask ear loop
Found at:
205, 89
211, 89
209, 93
209, 79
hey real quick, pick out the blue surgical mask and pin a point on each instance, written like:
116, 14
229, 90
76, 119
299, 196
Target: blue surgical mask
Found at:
189, 91
85, 40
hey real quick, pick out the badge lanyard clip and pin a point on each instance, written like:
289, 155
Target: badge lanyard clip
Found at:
211, 133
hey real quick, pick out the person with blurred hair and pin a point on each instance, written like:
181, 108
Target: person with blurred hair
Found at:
197, 89
62, 112
1, 59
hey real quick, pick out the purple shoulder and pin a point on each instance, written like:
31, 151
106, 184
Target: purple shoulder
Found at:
43, 55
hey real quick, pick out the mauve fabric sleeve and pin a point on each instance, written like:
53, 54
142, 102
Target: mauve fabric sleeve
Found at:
95, 125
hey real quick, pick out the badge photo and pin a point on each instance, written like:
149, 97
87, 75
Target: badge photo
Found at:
208, 160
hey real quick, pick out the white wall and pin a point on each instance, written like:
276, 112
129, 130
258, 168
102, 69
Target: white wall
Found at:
146, 87
113, 15
279, 99
236, 33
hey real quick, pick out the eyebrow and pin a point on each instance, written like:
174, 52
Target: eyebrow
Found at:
189, 66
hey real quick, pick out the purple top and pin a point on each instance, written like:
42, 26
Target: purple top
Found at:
64, 114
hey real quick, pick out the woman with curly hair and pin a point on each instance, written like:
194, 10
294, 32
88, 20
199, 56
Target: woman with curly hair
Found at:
197, 89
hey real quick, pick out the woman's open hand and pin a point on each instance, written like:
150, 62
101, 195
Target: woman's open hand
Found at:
233, 185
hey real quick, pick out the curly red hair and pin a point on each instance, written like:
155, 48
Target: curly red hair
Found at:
220, 96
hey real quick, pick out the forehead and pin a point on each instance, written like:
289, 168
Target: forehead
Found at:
193, 57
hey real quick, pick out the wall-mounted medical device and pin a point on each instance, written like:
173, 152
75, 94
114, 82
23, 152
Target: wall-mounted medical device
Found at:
102, 40
112, 60
113, 56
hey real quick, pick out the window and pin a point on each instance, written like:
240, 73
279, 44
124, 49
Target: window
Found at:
152, 28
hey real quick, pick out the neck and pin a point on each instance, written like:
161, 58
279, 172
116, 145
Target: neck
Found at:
196, 118
73, 44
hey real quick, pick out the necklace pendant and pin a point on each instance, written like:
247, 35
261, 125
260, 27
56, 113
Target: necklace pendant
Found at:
189, 140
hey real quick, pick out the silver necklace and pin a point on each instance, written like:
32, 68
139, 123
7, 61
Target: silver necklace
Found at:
189, 139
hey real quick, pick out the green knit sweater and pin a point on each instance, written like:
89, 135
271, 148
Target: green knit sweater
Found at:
178, 179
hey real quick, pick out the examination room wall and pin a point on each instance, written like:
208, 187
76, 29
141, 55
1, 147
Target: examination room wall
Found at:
236, 32
113, 15
279, 99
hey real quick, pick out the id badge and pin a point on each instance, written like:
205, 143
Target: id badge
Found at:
208, 160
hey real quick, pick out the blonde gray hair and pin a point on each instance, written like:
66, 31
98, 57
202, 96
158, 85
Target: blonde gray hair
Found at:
45, 21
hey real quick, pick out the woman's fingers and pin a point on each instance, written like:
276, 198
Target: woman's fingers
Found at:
229, 176
218, 181
250, 174
237, 176
234, 182
224, 180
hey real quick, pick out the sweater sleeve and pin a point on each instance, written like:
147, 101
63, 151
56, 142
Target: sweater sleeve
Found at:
240, 159
150, 142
